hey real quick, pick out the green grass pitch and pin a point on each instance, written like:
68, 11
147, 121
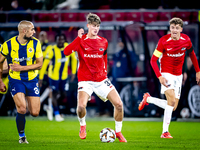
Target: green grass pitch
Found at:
43, 134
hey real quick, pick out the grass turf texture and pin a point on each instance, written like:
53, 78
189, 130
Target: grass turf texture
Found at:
43, 134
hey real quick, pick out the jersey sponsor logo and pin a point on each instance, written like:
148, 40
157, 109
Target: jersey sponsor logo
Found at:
168, 49
175, 55
183, 48
62, 60
22, 59
93, 55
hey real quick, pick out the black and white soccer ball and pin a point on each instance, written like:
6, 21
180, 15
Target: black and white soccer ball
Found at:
107, 135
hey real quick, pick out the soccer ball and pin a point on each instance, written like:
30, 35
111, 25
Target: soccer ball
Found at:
107, 135
185, 113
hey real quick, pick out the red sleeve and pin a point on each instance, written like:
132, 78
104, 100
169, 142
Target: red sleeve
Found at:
72, 46
194, 61
105, 59
155, 65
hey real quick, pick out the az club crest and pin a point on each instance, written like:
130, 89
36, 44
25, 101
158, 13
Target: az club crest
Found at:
101, 49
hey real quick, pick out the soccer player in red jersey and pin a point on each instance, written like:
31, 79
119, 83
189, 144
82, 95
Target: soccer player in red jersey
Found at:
171, 50
92, 74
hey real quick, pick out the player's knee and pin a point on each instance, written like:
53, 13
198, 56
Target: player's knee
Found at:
81, 108
34, 113
172, 102
21, 110
119, 106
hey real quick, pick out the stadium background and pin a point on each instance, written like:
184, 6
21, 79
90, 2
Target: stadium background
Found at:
139, 26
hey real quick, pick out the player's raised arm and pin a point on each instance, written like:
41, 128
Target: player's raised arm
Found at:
72, 46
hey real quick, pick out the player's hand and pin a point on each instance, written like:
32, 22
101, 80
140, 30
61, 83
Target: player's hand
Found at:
15, 67
80, 32
163, 81
198, 77
40, 83
2, 86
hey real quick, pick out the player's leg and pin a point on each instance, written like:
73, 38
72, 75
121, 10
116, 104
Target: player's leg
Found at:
55, 87
20, 103
33, 105
153, 100
115, 99
17, 89
170, 95
81, 112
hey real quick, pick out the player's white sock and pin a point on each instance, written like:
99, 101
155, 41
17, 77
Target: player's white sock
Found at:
118, 126
82, 121
158, 102
167, 117
50, 102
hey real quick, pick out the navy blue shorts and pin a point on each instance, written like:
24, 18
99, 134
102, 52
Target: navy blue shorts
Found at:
29, 88
59, 85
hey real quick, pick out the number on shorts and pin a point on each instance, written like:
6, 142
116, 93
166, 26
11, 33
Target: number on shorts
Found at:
36, 90
107, 82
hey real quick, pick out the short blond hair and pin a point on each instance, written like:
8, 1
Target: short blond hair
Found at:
93, 18
176, 21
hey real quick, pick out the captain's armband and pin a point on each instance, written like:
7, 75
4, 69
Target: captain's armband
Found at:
157, 53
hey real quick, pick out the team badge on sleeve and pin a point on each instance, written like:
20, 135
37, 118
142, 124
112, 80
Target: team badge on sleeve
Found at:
101, 49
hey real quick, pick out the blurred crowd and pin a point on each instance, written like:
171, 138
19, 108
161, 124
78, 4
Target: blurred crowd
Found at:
10, 5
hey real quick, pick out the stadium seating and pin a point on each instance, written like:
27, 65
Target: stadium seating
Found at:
69, 17
46, 17
185, 16
133, 16
164, 16
150, 17
105, 16
119, 16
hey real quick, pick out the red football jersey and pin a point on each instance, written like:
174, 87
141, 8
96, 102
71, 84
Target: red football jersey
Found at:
92, 55
173, 53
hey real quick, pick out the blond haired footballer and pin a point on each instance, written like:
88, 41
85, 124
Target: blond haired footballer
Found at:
171, 50
92, 74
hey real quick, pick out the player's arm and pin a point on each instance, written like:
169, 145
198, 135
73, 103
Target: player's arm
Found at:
2, 85
155, 67
105, 59
73, 65
3, 54
72, 46
195, 63
44, 68
36, 66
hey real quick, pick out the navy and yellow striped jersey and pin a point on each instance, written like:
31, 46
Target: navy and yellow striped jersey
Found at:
22, 54
58, 68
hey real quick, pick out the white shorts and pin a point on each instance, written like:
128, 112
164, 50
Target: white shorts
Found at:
101, 89
174, 82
